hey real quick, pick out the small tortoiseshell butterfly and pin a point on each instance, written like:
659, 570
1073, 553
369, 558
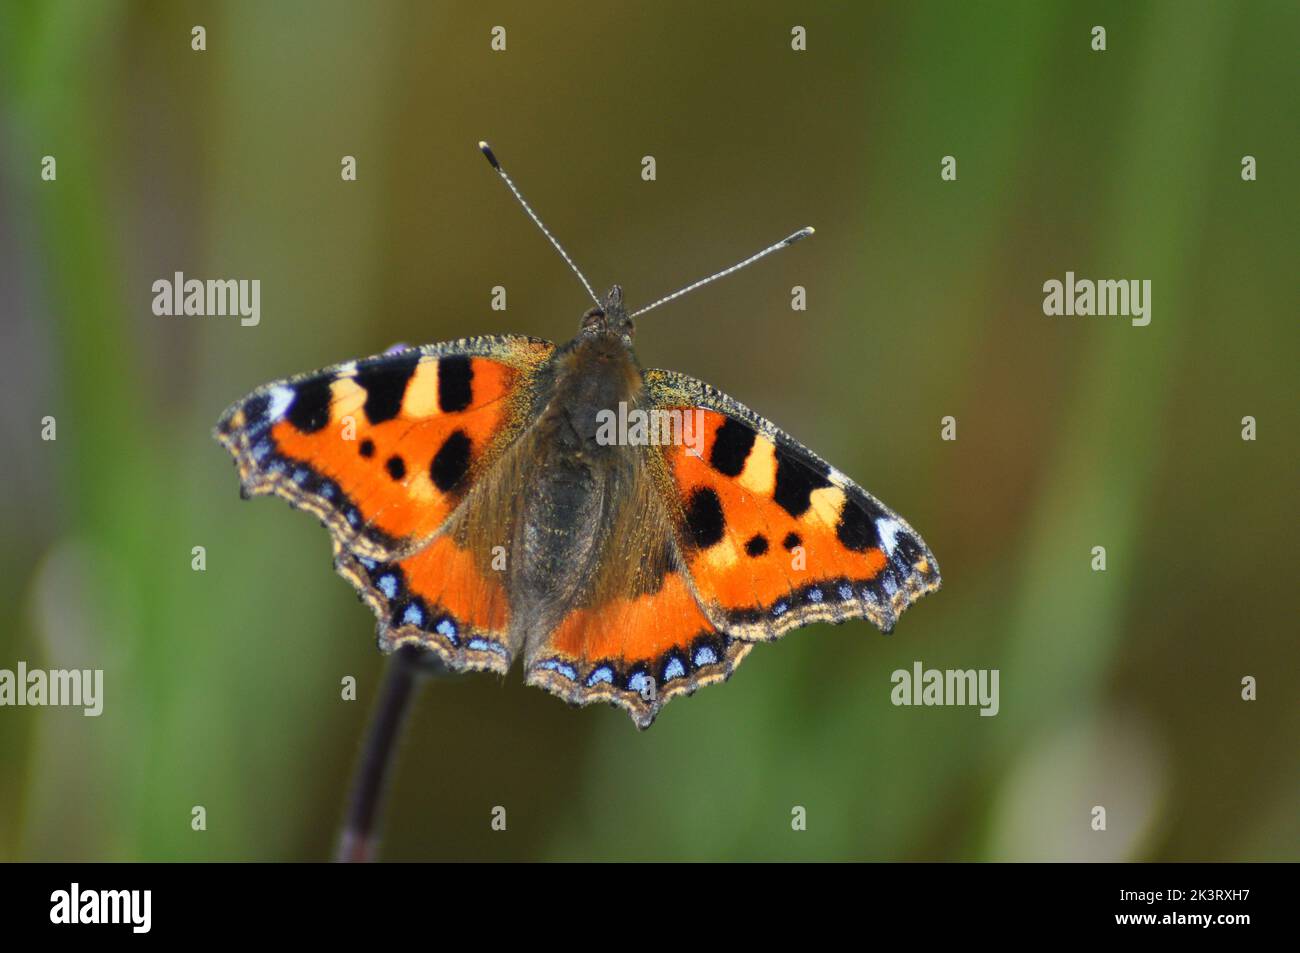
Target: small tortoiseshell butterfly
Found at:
479, 506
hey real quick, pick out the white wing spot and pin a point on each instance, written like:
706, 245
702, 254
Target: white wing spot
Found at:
281, 398
888, 530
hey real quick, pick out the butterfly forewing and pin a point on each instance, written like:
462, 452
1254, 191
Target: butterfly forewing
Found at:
384, 449
773, 537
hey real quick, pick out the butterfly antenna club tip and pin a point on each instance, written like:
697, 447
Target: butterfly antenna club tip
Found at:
486, 149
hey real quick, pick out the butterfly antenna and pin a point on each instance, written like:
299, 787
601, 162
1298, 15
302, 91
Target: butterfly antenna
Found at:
783, 243
491, 157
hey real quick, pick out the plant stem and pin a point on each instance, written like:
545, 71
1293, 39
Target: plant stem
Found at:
360, 836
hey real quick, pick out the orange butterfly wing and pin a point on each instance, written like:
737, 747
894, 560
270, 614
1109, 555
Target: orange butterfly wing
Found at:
383, 450
773, 537
761, 537
636, 653
439, 598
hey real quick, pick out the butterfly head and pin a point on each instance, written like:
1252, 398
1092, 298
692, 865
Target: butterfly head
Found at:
609, 318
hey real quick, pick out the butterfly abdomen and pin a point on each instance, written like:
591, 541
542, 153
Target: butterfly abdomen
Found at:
572, 479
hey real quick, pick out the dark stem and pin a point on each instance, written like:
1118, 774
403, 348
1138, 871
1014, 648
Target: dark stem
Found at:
360, 835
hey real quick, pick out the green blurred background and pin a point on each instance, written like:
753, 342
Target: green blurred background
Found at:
222, 687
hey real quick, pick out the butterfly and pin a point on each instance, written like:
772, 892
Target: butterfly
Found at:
490, 502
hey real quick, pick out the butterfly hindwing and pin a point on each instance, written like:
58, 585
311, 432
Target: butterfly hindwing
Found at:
440, 598
636, 650
383, 449
772, 536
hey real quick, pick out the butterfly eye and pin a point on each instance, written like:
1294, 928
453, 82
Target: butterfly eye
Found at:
593, 320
